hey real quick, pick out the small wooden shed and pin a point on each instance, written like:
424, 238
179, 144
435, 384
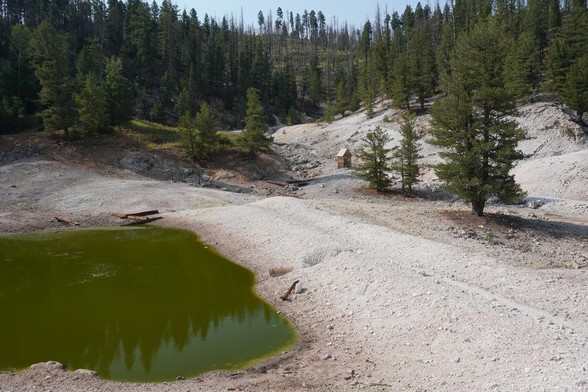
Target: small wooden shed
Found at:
344, 158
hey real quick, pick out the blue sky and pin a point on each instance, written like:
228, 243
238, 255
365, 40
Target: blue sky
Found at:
355, 12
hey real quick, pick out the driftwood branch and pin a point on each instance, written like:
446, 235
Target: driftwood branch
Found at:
141, 220
66, 220
142, 213
285, 296
276, 183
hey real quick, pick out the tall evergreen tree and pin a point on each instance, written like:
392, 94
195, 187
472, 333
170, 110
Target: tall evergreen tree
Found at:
521, 70
400, 84
204, 122
421, 64
18, 84
374, 158
575, 92
190, 134
120, 97
472, 123
253, 138
91, 106
51, 58
405, 158
368, 86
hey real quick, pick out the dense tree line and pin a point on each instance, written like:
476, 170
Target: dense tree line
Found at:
91, 65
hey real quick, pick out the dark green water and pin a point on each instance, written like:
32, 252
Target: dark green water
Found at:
141, 304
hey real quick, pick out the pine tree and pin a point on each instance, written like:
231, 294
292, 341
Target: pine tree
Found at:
190, 134
521, 66
471, 122
205, 124
119, 93
341, 98
50, 56
421, 61
400, 85
253, 138
575, 91
91, 106
367, 86
565, 51
374, 159
18, 85
90, 59
407, 155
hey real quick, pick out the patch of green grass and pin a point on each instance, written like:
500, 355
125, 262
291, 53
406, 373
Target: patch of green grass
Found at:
153, 134
228, 138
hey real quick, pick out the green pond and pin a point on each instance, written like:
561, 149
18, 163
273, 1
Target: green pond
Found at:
137, 304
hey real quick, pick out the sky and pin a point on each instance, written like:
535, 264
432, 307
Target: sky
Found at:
355, 12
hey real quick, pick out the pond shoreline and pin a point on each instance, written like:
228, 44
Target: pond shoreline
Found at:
396, 297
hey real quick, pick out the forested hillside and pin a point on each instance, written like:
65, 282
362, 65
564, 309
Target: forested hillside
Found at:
92, 65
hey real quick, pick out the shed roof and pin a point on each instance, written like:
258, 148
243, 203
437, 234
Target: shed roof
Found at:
344, 152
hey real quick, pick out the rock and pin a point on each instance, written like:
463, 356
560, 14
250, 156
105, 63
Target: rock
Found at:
86, 372
298, 288
49, 364
534, 204
327, 357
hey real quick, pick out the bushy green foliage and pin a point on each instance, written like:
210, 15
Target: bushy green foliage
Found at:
204, 123
172, 60
50, 56
190, 135
374, 159
472, 123
91, 106
575, 91
253, 138
120, 97
405, 158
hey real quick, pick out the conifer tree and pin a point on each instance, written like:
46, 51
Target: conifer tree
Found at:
471, 122
374, 159
521, 66
190, 134
120, 96
367, 86
18, 85
253, 138
341, 98
575, 92
421, 62
50, 56
400, 85
407, 155
204, 122
91, 106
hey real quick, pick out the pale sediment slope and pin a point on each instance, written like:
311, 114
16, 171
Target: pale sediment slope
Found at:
428, 314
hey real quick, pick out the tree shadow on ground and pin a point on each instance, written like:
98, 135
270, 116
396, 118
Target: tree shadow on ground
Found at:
503, 222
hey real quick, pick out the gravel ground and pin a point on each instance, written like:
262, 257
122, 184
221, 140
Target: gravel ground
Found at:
400, 293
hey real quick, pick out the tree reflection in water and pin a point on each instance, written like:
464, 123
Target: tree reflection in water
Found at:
144, 304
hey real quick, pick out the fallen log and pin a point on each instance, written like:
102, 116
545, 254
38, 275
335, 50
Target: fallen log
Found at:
277, 183
66, 220
141, 220
285, 296
142, 213
300, 182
